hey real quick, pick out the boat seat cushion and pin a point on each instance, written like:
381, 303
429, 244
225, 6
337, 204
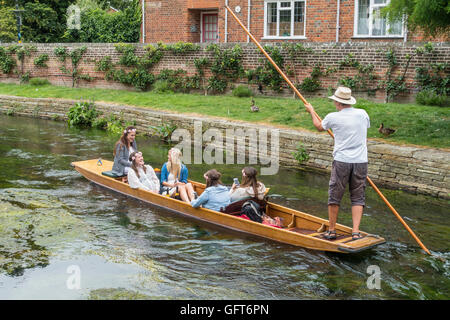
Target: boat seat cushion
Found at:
112, 174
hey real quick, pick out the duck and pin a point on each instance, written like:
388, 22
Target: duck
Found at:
385, 131
253, 107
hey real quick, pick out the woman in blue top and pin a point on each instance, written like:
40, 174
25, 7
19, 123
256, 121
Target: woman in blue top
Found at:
174, 174
216, 195
122, 150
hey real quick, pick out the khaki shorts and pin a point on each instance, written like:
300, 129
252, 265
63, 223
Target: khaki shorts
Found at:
355, 174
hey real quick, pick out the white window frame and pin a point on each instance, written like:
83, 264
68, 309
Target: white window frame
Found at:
267, 37
201, 25
373, 6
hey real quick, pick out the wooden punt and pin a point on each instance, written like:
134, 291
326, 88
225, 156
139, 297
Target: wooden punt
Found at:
299, 228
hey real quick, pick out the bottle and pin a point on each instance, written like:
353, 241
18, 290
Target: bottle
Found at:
236, 182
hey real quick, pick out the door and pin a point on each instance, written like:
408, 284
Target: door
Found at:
210, 27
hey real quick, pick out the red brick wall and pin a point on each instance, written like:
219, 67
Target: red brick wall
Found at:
171, 21
328, 54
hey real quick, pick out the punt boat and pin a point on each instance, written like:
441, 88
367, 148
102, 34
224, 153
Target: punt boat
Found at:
299, 228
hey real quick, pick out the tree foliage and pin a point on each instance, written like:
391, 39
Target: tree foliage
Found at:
97, 25
43, 20
430, 16
8, 27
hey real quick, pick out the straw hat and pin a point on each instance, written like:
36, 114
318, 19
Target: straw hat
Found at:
343, 95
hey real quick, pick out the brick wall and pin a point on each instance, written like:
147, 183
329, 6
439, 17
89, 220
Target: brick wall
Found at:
170, 21
328, 54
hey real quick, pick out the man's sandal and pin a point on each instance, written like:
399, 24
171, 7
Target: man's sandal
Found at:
356, 235
330, 235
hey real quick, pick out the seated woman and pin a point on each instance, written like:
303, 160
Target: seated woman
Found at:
122, 150
249, 188
216, 195
142, 175
174, 174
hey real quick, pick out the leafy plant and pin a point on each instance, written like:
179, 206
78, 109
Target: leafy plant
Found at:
164, 131
242, 91
429, 97
39, 82
227, 65
301, 155
82, 114
435, 77
182, 47
75, 57
41, 61
7, 63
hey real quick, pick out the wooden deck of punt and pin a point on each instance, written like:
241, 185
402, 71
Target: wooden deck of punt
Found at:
299, 229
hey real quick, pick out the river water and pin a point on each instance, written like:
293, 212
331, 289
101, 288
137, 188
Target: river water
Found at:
62, 237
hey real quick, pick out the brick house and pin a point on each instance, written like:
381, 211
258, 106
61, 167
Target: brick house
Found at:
269, 21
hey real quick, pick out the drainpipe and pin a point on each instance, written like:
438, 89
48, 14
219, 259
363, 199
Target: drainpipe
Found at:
405, 29
226, 22
337, 20
143, 21
248, 19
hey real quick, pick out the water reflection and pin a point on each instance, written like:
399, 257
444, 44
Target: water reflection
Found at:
51, 218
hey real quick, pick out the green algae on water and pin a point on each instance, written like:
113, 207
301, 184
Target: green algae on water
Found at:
33, 225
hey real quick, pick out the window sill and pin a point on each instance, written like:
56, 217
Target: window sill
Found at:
284, 38
378, 37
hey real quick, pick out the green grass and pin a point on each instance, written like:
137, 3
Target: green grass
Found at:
415, 124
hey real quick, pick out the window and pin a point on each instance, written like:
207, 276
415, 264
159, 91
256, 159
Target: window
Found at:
284, 19
209, 31
370, 23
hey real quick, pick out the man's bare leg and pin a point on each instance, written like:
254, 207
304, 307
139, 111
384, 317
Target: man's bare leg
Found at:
333, 211
357, 212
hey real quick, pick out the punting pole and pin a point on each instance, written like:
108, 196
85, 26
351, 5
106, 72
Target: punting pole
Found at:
329, 131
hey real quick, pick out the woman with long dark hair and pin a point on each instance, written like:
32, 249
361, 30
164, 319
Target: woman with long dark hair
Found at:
125, 146
142, 175
249, 188
216, 195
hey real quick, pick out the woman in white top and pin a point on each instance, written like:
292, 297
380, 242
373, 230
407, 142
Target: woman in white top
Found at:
249, 188
142, 175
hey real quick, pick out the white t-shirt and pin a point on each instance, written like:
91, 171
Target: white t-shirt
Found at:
350, 134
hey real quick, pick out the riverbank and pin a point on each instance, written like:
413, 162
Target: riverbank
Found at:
412, 168
415, 124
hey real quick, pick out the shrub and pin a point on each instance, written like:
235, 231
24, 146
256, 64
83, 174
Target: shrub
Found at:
429, 97
310, 84
162, 86
82, 114
242, 91
301, 155
39, 82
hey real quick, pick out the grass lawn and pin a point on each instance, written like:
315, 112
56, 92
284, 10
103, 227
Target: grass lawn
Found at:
415, 124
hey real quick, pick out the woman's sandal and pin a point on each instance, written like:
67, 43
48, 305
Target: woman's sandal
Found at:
356, 235
330, 235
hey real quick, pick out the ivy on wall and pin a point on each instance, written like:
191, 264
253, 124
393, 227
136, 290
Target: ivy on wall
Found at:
225, 66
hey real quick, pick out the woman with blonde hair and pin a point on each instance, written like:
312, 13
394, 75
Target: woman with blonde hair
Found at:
125, 146
174, 175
